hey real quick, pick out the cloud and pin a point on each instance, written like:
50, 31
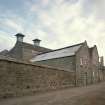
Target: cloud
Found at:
99, 8
67, 24
60, 23
45, 2
13, 25
6, 42
95, 7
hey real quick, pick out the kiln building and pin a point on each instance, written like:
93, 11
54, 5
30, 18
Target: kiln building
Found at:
79, 59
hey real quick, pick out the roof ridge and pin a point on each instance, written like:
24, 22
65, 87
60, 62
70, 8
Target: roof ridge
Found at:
62, 48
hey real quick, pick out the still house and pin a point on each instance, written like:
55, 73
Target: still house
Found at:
79, 58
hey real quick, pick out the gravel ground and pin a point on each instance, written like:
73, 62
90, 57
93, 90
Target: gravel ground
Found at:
90, 95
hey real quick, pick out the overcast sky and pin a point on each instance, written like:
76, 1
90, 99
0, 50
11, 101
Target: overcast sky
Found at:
58, 23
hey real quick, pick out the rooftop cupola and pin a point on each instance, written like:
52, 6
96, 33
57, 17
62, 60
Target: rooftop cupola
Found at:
19, 37
36, 42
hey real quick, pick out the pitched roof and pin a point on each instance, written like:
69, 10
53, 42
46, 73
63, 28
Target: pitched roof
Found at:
37, 48
63, 52
4, 52
6, 57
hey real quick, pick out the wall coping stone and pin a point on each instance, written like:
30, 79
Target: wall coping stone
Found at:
33, 64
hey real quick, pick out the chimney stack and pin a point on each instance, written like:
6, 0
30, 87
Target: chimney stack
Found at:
19, 37
36, 42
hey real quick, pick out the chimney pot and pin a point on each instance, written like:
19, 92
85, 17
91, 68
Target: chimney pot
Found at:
36, 42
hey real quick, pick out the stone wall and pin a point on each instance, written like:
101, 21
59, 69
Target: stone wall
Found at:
94, 62
20, 78
16, 51
67, 63
83, 68
103, 75
87, 66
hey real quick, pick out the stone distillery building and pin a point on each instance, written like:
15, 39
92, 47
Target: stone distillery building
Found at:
30, 68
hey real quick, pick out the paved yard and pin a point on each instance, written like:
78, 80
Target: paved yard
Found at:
91, 95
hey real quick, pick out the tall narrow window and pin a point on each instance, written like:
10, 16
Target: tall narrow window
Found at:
93, 74
81, 61
85, 61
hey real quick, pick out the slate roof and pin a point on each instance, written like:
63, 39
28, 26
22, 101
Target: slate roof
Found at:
36, 48
4, 52
15, 52
6, 57
63, 52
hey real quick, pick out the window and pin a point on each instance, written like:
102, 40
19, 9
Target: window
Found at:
93, 74
85, 61
81, 61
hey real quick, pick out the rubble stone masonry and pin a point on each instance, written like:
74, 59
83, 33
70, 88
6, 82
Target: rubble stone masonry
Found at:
20, 78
